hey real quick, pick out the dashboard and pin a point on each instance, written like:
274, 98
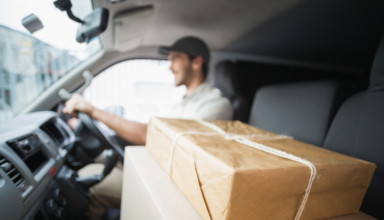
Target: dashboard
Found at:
33, 149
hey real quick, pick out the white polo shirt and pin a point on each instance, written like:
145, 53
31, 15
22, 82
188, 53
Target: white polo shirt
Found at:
205, 103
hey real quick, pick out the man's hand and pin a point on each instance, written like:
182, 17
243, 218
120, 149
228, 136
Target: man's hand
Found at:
134, 132
78, 104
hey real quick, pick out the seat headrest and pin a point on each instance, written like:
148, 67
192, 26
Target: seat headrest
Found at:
377, 72
302, 109
225, 79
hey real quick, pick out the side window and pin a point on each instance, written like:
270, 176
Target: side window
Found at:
136, 89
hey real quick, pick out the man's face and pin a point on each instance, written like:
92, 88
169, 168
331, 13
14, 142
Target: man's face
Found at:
181, 68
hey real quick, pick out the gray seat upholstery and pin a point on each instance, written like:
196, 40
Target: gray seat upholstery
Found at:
226, 80
302, 110
358, 130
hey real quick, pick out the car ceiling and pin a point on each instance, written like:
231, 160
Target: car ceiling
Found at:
342, 33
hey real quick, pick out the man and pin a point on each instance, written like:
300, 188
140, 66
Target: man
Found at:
190, 59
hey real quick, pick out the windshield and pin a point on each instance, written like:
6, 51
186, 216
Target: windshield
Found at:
31, 63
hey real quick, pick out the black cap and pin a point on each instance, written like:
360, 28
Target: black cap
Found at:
190, 45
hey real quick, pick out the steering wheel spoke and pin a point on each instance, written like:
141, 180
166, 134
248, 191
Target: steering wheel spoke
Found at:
105, 136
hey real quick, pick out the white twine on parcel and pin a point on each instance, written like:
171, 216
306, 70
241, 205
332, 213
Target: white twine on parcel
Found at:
175, 139
246, 141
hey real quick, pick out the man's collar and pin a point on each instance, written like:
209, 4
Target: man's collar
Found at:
197, 90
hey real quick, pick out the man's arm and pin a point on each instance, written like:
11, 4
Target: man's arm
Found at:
132, 131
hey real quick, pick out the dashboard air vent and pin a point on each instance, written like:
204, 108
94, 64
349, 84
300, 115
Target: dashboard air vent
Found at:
52, 129
12, 173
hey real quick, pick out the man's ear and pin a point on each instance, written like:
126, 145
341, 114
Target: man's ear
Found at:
197, 62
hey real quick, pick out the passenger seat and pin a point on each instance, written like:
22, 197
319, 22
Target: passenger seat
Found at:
358, 130
303, 110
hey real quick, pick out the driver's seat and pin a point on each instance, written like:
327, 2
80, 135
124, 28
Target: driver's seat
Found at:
226, 80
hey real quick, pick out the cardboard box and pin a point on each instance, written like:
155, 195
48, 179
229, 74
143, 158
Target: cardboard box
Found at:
225, 179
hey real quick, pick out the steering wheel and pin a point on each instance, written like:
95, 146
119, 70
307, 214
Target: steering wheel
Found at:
102, 134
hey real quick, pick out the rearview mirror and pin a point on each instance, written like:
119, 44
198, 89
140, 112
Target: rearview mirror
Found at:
93, 25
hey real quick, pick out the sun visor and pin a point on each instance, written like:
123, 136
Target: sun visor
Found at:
130, 27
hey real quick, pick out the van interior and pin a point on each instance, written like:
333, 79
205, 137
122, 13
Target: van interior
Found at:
310, 69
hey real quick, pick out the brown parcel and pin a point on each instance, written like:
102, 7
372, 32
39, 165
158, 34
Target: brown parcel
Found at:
224, 179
